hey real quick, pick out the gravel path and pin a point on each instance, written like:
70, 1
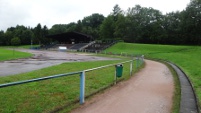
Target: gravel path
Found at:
42, 59
149, 91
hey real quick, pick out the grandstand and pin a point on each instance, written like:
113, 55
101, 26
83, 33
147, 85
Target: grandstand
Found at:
99, 46
78, 42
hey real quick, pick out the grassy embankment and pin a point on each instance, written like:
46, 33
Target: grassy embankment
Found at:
55, 94
186, 57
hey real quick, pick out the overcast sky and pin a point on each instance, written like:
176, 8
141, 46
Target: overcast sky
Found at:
50, 12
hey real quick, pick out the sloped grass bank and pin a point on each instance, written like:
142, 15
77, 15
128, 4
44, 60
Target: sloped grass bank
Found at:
146, 49
186, 57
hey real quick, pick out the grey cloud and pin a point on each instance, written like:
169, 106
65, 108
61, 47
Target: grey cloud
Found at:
12, 15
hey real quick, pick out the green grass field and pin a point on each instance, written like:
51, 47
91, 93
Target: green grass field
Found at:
9, 54
186, 57
55, 94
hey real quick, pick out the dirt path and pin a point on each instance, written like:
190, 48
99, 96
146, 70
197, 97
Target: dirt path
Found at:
149, 91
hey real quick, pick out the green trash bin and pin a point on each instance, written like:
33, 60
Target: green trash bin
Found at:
119, 70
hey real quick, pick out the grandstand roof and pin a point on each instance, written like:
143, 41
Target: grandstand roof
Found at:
71, 37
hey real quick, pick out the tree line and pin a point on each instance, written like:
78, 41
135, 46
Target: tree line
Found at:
135, 25
21, 35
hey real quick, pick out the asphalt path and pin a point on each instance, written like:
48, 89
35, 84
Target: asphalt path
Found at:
42, 59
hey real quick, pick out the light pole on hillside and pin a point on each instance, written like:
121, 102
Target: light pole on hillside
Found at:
31, 43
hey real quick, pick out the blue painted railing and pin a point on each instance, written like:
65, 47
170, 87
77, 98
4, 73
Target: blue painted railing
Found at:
37, 79
139, 61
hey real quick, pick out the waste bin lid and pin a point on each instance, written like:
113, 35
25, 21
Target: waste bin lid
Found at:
119, 65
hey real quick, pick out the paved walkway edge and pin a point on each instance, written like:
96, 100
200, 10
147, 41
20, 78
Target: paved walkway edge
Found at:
189, 103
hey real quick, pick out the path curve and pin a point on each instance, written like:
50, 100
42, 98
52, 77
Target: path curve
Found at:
149, 91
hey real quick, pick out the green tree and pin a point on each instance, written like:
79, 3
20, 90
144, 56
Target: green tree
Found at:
154, 29
94, 20
2, 38
91, 25
27, 36
72, 26
116, 12
120, 27
171, 24
143, 25
191, 22
134, 24
15, 41
58, 28
38, 33
23, 33
107, 28
45, 40
7, 37
78, 26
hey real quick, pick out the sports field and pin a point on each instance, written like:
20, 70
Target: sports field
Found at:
56, 94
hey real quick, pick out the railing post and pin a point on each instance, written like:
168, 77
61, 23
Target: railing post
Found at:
131, 67
115, 77
137, 62
82, 87
142, 58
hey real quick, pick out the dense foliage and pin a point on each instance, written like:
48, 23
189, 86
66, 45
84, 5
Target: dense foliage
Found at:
137, 24
26, 35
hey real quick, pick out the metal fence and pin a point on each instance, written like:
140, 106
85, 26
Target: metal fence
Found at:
83, 74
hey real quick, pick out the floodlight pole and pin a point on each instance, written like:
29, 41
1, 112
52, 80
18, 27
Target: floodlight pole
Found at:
31, 43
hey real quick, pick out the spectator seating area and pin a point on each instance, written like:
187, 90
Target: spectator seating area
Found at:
95, 46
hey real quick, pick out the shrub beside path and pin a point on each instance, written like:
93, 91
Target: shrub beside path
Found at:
149, 91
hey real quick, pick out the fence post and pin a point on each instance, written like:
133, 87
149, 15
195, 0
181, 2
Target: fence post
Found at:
137, 62
82, 86
131, 67
142, 58
115, 77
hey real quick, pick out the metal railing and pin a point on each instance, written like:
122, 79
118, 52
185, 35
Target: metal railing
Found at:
139, 61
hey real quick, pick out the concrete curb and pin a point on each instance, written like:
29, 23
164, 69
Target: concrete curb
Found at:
189, 101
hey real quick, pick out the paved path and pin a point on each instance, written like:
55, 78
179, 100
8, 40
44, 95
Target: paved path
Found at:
149, 91
42, 59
